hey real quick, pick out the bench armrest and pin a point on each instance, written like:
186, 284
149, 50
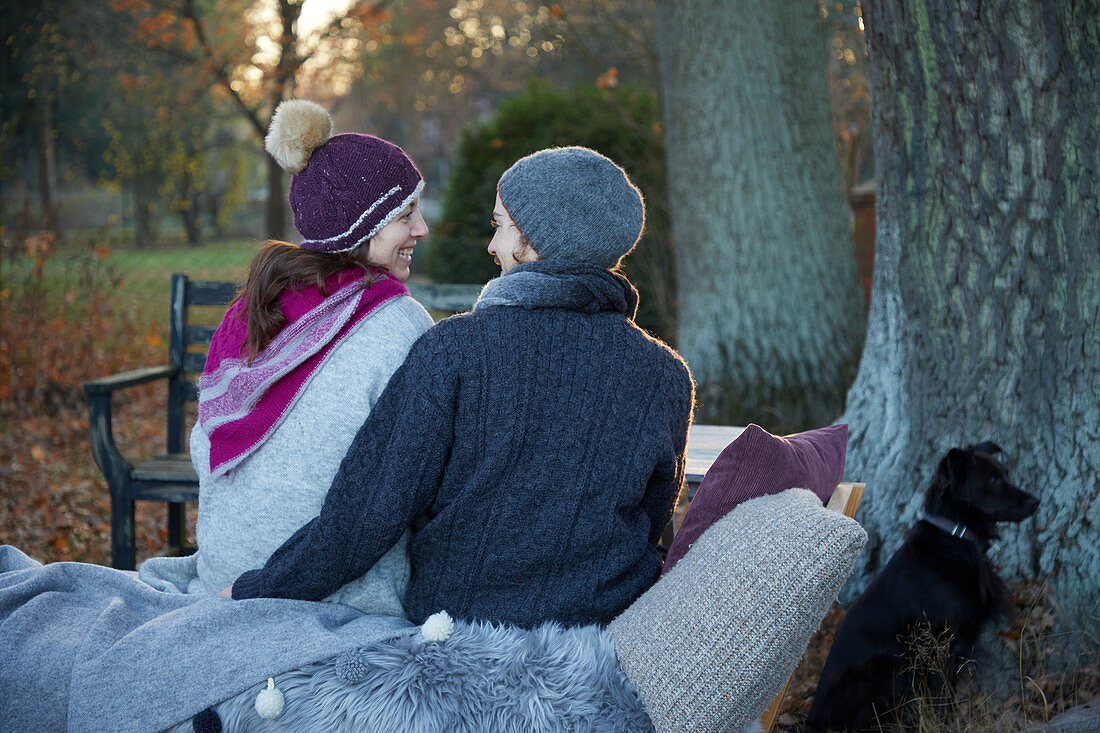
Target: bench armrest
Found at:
106, 385
116, 469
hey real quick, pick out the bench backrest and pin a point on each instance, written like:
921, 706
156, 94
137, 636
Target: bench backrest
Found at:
187, 343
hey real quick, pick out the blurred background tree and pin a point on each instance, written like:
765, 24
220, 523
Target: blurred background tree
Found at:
450, 63
447, 65
39, 68
770, 313
256, 55
124, 121
161, 126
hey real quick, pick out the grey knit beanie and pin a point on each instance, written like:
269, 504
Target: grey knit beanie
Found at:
574, 204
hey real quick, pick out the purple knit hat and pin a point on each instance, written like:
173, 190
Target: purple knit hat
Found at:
346, 187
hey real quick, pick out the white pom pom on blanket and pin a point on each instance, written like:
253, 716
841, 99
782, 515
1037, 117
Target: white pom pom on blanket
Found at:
270, 702
297, 128
437, 627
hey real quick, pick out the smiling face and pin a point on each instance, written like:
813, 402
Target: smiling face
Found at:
391, 248
508, 246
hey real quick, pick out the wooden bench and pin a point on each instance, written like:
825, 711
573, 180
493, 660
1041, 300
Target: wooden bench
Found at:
170, 478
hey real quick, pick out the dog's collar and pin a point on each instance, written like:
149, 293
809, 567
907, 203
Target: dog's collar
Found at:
953, 528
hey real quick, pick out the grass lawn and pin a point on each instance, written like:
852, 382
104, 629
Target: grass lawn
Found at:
136, 281
80, 310
223, 260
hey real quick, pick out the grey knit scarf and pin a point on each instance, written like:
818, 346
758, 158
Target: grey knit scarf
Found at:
575, 286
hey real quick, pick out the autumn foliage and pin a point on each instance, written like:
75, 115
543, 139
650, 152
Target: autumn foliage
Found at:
55, 334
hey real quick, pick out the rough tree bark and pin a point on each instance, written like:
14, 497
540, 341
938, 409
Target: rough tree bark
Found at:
770, 312
983, 321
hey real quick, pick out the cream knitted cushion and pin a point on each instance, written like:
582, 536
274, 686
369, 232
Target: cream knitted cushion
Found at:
709, 646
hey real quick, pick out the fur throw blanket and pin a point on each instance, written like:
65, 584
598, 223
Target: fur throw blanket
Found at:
482, 678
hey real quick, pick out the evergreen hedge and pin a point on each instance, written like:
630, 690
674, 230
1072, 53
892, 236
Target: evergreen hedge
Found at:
622, 123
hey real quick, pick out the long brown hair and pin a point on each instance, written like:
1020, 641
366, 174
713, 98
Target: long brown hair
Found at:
281, 265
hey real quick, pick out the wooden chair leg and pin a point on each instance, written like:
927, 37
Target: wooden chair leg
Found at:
177, 526
768, 719
123, 550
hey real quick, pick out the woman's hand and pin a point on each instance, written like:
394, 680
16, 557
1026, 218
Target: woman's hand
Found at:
227, 593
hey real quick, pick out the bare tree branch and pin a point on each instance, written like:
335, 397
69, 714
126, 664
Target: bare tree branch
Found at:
220, 69
335, 29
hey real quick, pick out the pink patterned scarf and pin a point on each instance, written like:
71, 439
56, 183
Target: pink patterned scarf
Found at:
241, 404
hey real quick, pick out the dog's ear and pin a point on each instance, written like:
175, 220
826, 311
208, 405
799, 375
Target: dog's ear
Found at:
950, 472
956, 462
988, 447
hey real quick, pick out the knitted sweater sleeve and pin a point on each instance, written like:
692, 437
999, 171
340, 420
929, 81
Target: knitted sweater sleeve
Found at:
668, 474
389, 477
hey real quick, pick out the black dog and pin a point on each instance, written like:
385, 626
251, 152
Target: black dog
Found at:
940, 579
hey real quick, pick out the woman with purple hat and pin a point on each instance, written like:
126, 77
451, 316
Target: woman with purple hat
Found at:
304, 352
535, 444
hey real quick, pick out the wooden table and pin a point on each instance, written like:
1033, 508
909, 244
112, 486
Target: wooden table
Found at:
705, 442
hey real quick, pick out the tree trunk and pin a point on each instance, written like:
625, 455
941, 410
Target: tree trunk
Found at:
145, 214
285, 70
189, 206
192, 225
770, 311
47, 162
987, 274
276, 201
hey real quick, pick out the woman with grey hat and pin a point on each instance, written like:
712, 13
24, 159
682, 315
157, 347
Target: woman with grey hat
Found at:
535, 444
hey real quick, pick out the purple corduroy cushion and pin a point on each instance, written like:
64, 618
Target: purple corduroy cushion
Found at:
758, 463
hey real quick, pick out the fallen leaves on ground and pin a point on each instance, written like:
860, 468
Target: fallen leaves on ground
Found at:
56, 505
1047, 693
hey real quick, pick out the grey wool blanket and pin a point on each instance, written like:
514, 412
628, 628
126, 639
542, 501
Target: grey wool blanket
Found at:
89, 648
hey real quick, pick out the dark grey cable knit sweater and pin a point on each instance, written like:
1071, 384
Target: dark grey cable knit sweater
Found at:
537, 446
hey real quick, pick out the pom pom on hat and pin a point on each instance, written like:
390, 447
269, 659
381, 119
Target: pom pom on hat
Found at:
437, 627
270, 702
298, 127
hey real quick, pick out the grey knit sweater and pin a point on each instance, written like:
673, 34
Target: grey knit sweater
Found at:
537, 446
246, 514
